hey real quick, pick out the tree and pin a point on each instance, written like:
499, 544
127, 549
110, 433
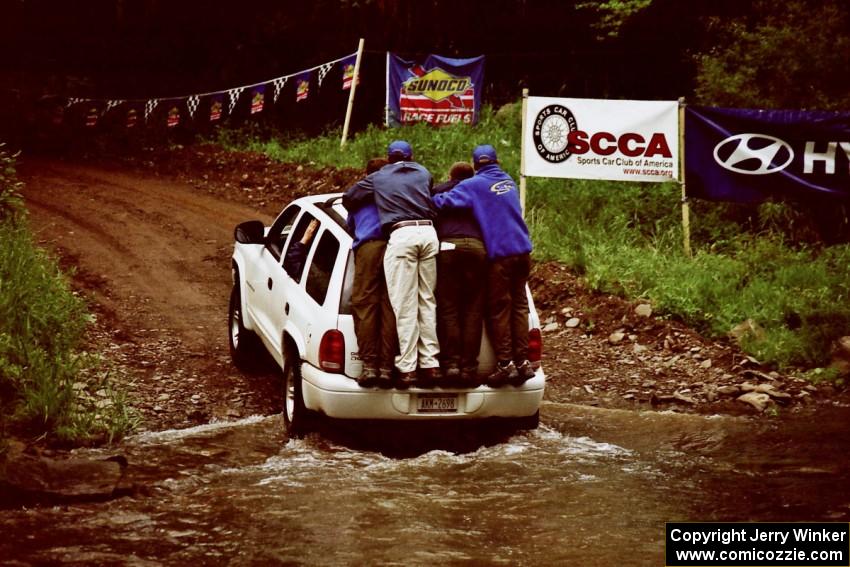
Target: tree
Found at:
791, 54
613, 14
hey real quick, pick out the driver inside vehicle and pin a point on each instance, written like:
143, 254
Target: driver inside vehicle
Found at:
293, 263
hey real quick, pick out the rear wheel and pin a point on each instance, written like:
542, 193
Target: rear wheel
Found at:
244, 344
297, 419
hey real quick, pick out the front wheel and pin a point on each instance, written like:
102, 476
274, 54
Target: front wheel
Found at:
297, 419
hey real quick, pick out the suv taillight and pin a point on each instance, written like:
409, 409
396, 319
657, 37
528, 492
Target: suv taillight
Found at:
535, 345
332, 352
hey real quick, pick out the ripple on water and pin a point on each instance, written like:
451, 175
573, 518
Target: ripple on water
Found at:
528, 459
587, 447
157, 437
237, 491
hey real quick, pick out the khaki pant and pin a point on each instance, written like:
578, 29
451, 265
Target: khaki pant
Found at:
410, 265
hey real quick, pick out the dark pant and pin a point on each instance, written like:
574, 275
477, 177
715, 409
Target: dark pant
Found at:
461, 289
509, 307
374, 322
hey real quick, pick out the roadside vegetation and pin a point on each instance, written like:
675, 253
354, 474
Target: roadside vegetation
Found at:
49, 387
765, 270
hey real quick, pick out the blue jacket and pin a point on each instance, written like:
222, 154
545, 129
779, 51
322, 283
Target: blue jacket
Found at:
493, 197
365, 224
401, 190
455, 223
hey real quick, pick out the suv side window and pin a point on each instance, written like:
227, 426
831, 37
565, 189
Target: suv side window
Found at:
281, 228
322, 266
296, 252
347, 285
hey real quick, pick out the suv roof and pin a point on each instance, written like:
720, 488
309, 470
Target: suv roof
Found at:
328, 203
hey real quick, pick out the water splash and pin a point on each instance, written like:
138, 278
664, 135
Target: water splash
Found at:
168, 435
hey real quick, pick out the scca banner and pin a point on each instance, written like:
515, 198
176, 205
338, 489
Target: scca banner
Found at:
746, 155
438, 91
621, 140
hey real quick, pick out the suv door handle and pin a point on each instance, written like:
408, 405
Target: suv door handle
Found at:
270, 283
286, 308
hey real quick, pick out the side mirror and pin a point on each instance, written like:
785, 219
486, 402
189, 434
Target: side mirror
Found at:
250, 232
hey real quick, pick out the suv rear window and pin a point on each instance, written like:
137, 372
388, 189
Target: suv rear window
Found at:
322, 266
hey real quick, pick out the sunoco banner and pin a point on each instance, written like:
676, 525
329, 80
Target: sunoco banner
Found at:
624, 140
438, 91
751, 155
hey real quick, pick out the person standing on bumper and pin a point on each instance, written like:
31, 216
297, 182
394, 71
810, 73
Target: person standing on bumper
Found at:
402, 193
493, 197
462, 267
374, 321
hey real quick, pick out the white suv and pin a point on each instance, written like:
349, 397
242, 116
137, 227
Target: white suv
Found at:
300, 311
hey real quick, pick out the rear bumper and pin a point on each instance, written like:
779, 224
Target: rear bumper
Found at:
338, 396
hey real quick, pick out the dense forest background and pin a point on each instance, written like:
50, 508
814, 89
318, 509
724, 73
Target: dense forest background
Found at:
791, 54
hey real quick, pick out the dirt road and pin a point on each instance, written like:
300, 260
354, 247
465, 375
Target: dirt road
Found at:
150, 239
154, 256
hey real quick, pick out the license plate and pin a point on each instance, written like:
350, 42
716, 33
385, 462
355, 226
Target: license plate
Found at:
436, 403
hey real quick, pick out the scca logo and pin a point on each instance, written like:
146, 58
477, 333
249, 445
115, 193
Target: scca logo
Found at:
630, 144
503, 187
552, 126
557, 136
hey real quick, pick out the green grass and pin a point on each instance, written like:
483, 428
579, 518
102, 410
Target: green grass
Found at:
763, 264
48, 386
623, 242
436, 152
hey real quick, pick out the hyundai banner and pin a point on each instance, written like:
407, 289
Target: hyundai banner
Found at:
745, 155
621, 140
439, 91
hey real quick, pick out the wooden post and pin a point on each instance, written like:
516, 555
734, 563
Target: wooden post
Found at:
522, 187
686, 211
387, 101
354, 82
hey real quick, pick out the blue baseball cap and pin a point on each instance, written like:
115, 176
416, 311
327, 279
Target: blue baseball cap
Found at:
484, 154
400, 148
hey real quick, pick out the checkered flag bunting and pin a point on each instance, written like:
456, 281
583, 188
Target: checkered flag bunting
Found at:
216, 104
192, 104
150, 106
278, 86
110, 104
234, 96
324, 70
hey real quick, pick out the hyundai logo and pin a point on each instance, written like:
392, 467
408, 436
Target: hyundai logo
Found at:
753, 154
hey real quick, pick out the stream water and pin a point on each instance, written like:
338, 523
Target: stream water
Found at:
590, 486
